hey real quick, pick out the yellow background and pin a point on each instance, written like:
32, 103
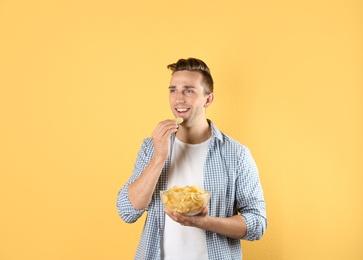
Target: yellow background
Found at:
83, 82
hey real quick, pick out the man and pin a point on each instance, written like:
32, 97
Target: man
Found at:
193, 152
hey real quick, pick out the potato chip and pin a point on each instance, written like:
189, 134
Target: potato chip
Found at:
188, 200
179, 120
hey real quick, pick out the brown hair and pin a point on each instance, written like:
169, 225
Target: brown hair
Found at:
193, 64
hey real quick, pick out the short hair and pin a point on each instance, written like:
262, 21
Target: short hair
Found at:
193, 64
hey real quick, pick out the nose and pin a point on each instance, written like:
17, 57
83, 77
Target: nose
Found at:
180, 98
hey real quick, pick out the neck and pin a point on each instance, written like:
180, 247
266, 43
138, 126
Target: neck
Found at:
194, 134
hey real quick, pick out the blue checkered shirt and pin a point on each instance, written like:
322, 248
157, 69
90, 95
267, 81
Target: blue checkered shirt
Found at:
230, 174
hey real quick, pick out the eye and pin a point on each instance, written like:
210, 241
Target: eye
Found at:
188, 92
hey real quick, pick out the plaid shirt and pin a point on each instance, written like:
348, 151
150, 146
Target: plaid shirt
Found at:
230, 174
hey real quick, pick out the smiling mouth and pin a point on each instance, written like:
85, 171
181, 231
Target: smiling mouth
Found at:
182, 110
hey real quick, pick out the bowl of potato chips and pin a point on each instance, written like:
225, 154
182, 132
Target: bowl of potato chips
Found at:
188, 200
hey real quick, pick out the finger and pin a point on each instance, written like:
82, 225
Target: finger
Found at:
166, 124
165, 128
167, 212
204, 212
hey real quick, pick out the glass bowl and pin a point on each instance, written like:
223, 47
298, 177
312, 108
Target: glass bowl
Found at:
185, 202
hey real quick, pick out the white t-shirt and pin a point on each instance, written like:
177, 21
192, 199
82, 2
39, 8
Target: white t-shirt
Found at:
181, 242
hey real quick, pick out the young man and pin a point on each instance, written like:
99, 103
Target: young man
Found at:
194, 152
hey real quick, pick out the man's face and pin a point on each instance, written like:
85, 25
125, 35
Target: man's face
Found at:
187, 98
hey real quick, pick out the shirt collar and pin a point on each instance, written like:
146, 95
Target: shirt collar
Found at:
215, 131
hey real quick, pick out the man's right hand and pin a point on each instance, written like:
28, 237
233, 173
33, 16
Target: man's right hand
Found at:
161, 138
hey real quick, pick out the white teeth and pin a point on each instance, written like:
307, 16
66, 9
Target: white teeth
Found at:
181, 109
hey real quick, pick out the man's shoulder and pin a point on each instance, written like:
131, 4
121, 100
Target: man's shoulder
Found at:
232, 142
225, 138
229, 145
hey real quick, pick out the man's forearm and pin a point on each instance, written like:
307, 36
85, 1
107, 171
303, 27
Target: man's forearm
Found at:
233, 227
142, 189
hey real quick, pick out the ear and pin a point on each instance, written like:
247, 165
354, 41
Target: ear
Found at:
209, 100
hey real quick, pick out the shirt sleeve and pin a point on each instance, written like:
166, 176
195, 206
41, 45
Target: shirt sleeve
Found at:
250, 199
124, 207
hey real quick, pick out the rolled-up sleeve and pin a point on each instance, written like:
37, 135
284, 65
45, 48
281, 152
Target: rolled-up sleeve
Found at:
250, 197
124, 207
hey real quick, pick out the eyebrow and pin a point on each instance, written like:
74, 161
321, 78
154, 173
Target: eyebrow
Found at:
185, 87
